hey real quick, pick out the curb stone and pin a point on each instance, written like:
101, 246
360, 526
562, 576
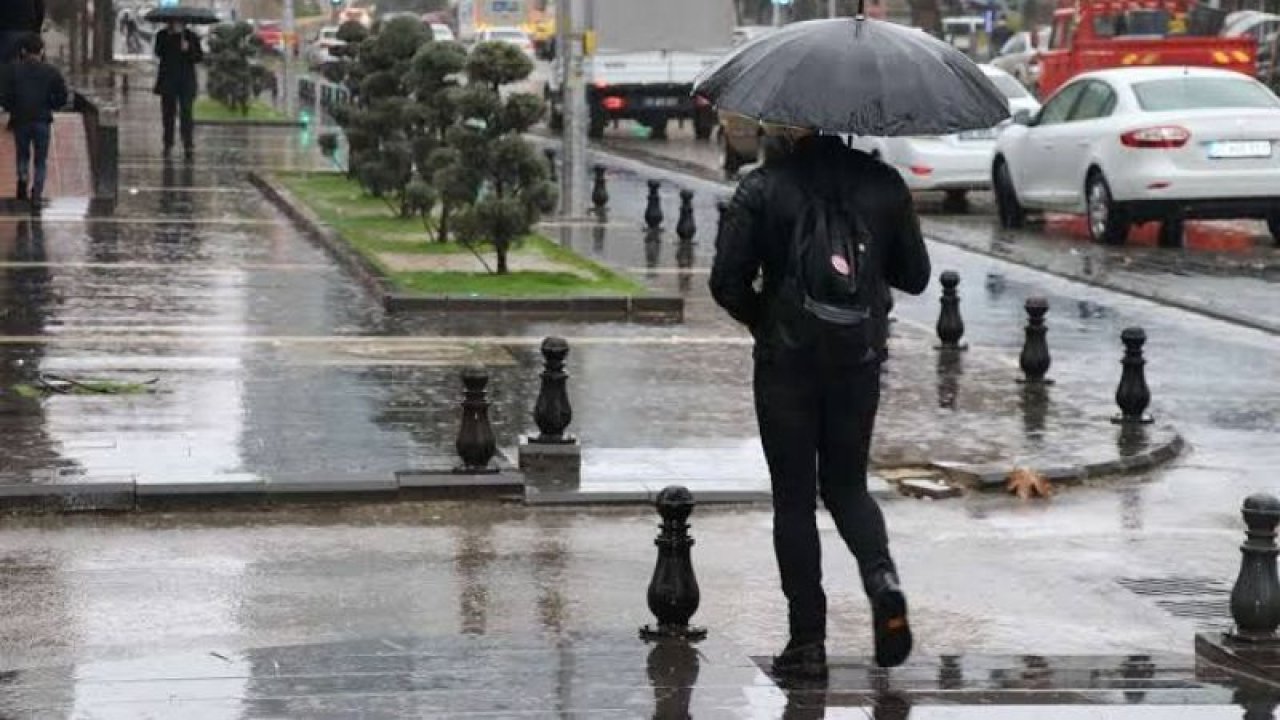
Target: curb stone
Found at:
994, 475
651, 308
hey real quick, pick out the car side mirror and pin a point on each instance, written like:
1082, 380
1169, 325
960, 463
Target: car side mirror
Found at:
1024, 117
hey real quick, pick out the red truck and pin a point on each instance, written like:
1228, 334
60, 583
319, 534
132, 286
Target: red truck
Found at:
1091, 35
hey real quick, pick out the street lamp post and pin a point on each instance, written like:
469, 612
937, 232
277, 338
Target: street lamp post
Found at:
573, 103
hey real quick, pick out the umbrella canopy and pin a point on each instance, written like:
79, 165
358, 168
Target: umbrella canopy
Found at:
188, 15
855, 75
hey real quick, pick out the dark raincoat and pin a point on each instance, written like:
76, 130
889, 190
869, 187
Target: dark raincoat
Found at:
177, 74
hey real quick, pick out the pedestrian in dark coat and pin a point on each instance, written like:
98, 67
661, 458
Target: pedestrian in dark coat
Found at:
33, 91
18, 18
179, 51
817, 385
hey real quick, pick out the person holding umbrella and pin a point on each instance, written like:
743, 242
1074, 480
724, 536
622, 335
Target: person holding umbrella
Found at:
178, 50
828, 230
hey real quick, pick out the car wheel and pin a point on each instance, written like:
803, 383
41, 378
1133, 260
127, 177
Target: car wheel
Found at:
1107, 222
1009, 210
1171, 230
1273, 224
595, 129
704, 124
956, 201
730, 160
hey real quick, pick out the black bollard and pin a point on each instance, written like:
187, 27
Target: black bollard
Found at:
1255, 599
1035, 359
476, 443
950, 324
686, 228
652, 248
653, 210
1132, 395
552, 411
673, 591
600, 191
552, 173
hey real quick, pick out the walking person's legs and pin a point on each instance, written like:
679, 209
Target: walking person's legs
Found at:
41, 136
787, 407
186, 106
168, 116
22, 147
850, 401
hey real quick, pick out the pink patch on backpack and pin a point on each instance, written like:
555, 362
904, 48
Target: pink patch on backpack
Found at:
840, 264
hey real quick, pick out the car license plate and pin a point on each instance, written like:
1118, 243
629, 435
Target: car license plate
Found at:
662, 102
1235, 149
988, 134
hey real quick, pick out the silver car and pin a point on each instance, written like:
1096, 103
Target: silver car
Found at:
1020, 56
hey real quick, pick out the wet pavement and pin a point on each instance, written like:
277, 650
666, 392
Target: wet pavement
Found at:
270, 362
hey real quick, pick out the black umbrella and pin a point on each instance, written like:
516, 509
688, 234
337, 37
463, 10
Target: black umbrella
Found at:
188, 15
855, 75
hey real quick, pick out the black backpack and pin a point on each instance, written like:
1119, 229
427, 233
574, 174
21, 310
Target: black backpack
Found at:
829, 260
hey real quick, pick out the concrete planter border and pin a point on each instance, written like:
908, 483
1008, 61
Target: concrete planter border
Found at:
648, 308
251, 123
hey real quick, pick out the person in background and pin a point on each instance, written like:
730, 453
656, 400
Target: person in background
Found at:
18, 18
1000, 35
178, 50
34, 90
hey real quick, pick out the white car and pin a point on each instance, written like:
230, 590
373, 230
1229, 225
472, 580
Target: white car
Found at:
1136, 145
442, 33
512, 35
954, 164
321, 51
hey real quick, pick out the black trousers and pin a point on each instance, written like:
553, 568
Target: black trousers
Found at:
178, 107
816, 416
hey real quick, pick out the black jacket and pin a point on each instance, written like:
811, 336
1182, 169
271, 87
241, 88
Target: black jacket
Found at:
21, 15
755, 237
177, 73
33, 90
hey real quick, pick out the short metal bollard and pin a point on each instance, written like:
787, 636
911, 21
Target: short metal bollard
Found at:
476, 443
1035, 359
552, 170
673, 591
552, 411
600, 189
950, 324
1255, 599
653, 208
686, 227
1132, 395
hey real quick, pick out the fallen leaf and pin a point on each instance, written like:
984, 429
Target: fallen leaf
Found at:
1027, 483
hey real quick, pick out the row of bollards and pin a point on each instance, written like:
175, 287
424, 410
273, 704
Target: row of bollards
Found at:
1132, 394
673, 595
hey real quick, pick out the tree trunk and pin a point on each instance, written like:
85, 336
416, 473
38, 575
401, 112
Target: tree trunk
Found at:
501, 247
442, 232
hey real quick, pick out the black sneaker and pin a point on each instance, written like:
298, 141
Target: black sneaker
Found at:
801, 660
889, 618
37, 202
189, 154
22, 191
